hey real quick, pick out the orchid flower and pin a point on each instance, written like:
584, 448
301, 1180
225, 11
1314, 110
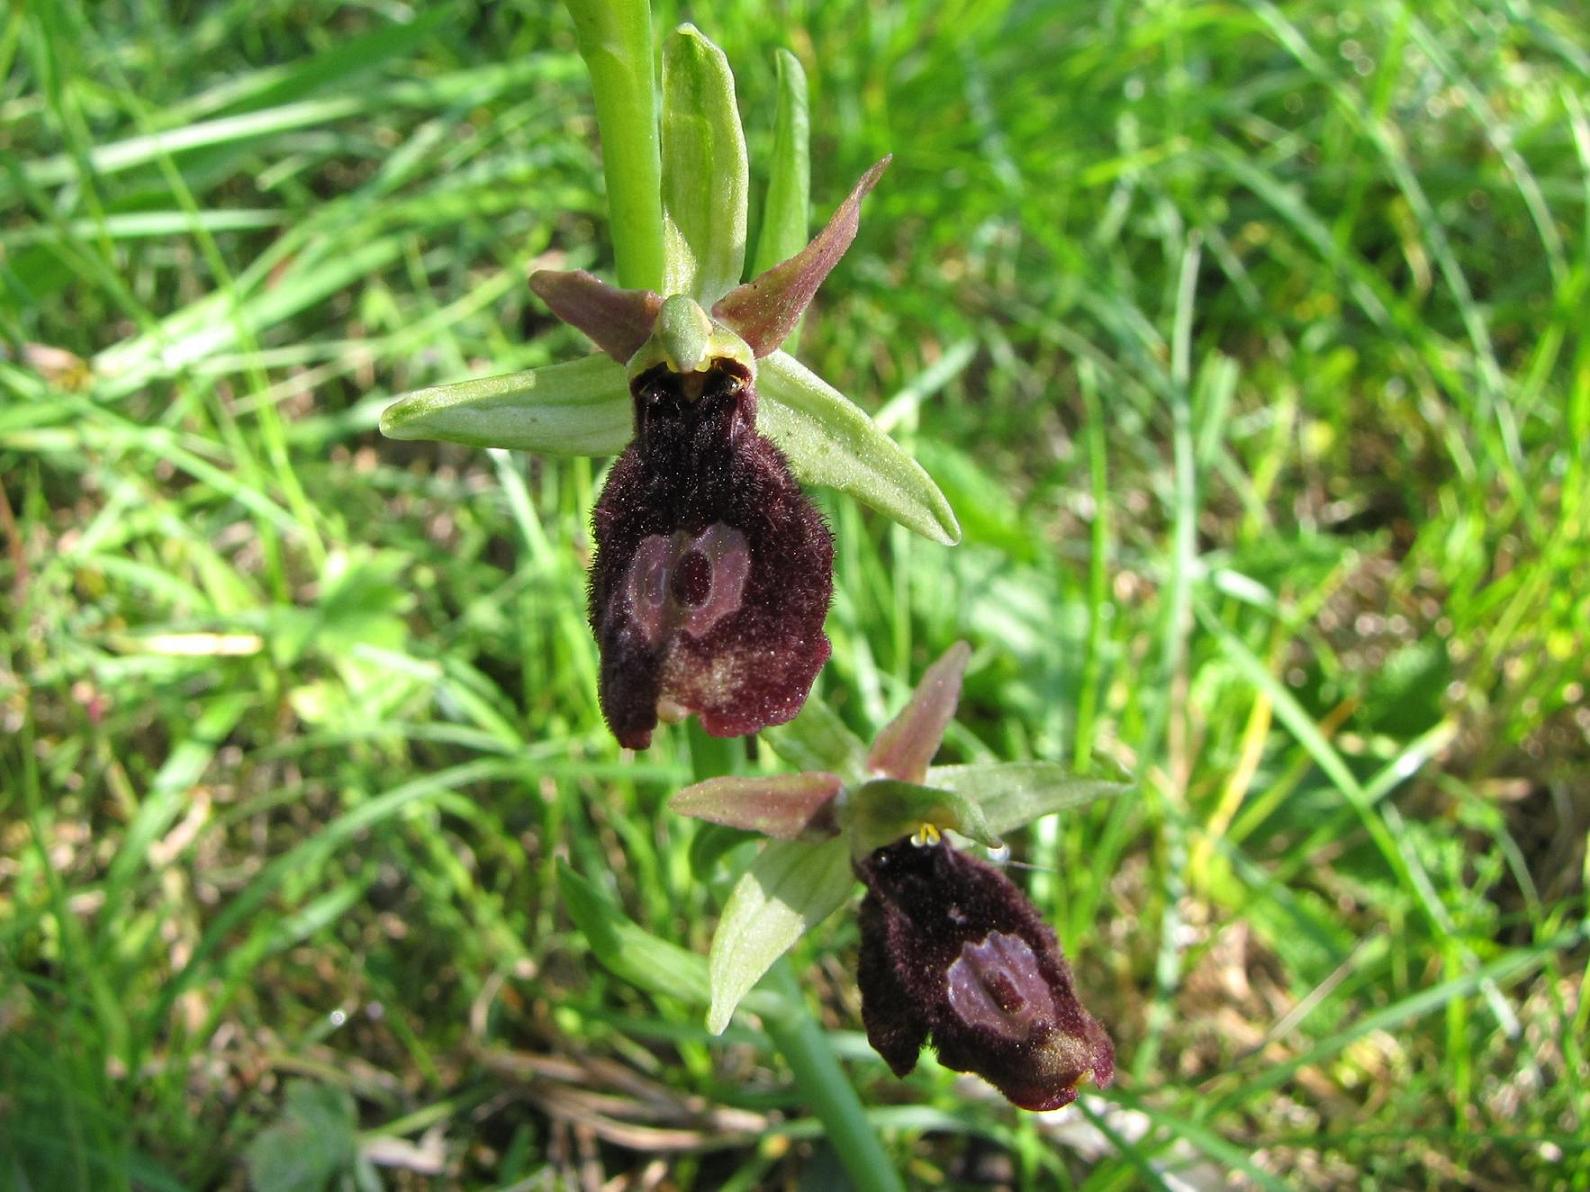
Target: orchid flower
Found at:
952, 952
713, 571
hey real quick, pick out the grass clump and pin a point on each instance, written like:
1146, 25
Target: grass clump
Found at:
1249, 345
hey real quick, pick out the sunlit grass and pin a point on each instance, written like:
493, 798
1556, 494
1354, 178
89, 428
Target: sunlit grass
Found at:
1247, 341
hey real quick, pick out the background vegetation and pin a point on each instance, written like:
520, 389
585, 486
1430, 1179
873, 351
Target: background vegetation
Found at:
1248, 341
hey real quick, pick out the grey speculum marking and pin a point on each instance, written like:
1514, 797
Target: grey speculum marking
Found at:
686, 582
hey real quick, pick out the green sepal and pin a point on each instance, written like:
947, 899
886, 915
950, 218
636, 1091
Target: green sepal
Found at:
790, 888
705, 175
1013, 794
786, 210
818, 739
831, 441
578, 408
884, 810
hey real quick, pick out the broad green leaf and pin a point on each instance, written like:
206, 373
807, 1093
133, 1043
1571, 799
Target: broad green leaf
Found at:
314, 1141
786, 211
785, 806
578, 408
831, 441
818, 740
882, 812
1012, 794
705, 179
790, 888
627, 950
906, 746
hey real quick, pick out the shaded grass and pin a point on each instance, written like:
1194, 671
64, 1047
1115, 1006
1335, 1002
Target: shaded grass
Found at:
1248, 343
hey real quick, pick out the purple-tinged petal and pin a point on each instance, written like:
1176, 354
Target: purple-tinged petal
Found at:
951, 950
784, 806
617, 321
765, 309
905, 748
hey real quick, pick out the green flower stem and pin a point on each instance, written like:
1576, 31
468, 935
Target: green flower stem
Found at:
827, 1089
712, 756
615, 40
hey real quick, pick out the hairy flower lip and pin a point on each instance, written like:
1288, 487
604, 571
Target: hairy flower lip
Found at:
952, 953
713, 571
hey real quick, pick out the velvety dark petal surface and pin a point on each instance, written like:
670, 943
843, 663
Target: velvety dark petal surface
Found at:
713, 571
895, 1028
952, 949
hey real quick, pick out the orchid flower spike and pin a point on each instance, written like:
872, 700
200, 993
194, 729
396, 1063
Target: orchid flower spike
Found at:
712, 571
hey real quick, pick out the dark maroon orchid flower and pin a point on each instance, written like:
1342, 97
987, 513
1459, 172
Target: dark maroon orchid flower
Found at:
713, 571
951, 950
